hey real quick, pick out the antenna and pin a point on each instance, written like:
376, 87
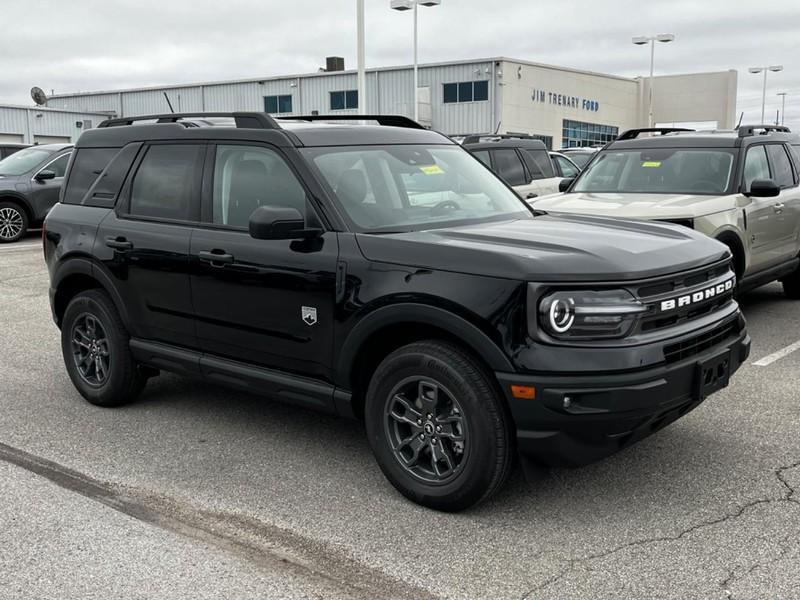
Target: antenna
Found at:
39, 96
739, 124
172, 110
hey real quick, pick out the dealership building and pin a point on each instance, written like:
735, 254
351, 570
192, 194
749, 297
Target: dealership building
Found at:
565, 107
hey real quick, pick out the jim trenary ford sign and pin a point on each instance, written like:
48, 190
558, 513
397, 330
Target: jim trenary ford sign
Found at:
565, 100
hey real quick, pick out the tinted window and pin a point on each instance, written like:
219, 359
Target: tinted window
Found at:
344, 99
480, 91
509, 166
781, 166
86, 168
23, 161
450, 92
351, 99
246, 177
337, 100
166, 184
542, 167
465, 92
58, 166
567, 168
755, 166
483, 156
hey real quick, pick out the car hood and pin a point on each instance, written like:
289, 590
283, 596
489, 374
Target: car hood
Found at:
550, 248
636, 206
9, 182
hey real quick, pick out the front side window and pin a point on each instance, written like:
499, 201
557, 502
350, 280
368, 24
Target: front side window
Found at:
567, 168
23, 161
756, 166
413, 187
247, 177
509, 166
782, 172
658, 171
166, 185
344, 100
58, 166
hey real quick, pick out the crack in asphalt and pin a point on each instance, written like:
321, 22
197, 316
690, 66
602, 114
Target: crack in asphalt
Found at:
787, 496
264, 545
732, 578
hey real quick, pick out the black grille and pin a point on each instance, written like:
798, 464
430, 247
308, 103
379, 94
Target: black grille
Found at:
699, 343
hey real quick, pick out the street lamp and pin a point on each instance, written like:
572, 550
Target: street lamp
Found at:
783, 105
756, 70
361, 78
409, 5
643, 40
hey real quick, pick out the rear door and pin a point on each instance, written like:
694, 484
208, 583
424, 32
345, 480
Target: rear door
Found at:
44, 192
508, 164
541, 170
265, 302
144, 244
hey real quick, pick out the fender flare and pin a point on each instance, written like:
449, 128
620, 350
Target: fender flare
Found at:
21, 199
480, 343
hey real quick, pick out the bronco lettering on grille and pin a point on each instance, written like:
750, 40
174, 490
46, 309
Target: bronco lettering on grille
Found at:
699, 296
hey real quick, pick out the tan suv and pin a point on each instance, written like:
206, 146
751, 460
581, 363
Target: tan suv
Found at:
740, 187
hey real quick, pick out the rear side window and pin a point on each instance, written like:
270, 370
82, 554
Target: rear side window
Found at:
755, 166
509, 166
782, 172
166, 185
542, 168
87, 166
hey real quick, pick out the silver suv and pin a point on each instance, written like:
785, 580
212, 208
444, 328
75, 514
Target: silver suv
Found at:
740, 187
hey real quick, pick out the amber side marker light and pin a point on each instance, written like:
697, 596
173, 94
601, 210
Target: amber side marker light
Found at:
523, 392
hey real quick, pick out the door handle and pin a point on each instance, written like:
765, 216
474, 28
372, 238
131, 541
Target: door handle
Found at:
215, 257
778, 207
119, 243
531, 196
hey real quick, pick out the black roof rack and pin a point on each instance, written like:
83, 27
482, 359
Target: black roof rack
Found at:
475, 138
748, 130
385, 120
243, 120
632, 134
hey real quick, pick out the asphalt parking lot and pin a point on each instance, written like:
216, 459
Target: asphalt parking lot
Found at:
199, 492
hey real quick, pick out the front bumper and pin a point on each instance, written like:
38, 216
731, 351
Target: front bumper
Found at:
576, 419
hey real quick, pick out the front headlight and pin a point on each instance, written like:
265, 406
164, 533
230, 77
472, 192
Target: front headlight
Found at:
587, 314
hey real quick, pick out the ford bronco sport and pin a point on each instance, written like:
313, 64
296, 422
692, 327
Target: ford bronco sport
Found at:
381, 272
740, 187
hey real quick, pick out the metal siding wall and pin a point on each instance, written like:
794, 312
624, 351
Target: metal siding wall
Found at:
13, 120
89, 103
467, 117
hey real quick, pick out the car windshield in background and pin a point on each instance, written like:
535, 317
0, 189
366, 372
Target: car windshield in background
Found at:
658, 171
401, 188
23, 161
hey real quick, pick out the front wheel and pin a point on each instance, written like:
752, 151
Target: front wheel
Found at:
13, 222
437, 426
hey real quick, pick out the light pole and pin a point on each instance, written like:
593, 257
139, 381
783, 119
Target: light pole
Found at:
409, 5
643, 40
362, 76
783, 105
756, 70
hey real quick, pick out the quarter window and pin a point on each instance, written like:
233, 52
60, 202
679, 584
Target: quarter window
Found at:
247, 177
86, 168
542, 167
166, 186
483, 156
344, 100
755, 166
781, 166
509, 166
465, 91
278, 104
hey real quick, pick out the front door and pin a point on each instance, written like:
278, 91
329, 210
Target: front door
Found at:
265, 302
44, 192
762, 213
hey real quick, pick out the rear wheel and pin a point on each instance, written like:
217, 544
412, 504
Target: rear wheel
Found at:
94, 343
437, 426
13, 222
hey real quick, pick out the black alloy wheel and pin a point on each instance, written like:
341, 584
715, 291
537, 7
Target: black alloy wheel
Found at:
90, 349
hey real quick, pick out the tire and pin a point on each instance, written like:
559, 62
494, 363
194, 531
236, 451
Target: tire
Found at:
13, 222
791, 285
447, 458
92, 324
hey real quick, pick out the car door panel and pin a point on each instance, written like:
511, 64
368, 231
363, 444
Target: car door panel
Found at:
786, 207
762, 213
44, 193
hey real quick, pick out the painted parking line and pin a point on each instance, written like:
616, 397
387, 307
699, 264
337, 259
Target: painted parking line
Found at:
20, 247
771, 358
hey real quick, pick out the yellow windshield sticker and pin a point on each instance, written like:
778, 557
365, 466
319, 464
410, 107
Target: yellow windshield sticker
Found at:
432, 170
653, 164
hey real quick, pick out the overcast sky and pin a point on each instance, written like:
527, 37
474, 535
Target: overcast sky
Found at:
92, 44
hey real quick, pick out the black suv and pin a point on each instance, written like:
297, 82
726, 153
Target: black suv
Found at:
381, 272
30, 181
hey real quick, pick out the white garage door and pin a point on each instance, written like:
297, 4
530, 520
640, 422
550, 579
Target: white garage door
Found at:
50, 139
11, 138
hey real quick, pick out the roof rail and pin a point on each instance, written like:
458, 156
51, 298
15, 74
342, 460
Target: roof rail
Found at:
748, 130
385, 120
632, 134
244, 120
475, 138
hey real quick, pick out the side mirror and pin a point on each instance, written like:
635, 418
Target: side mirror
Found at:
44, 175
279, 223
763, 188
564, 184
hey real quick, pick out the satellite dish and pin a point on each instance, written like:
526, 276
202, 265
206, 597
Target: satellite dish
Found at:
39, 96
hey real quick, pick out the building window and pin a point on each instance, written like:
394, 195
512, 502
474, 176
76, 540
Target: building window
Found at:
466, 91
344, 100
278, 104
576, 134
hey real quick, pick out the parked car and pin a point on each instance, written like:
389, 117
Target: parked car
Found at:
522, 162
739, 187
564, 166
382, 272
30, 181
7, 149
580, 156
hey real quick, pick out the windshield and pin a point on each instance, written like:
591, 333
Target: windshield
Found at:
411, 187
658, 171
23, 161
